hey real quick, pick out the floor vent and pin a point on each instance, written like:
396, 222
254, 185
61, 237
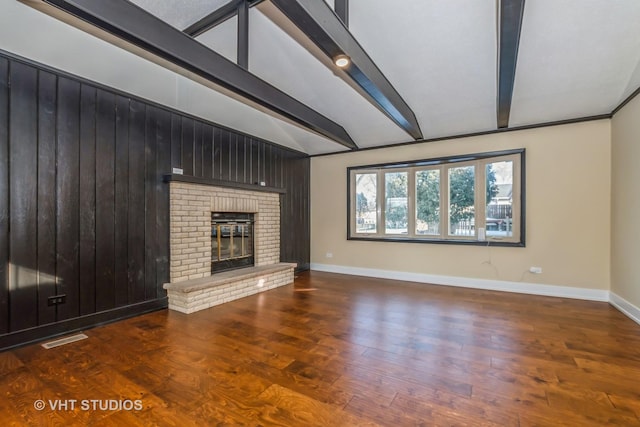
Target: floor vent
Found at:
65, 340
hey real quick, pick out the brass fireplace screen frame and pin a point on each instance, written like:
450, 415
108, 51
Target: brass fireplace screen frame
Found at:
232, 240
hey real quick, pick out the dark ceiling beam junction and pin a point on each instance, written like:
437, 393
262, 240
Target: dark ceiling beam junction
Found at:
323, 27
217, 17
145, 31
243, 35
342, 10
510, 26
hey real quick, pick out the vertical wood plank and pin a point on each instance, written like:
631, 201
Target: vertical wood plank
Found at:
197, 150
46, 196
4, 195
105, 201
137, 113
268, 164
262, 163
233, 157
176, 141
207, 151
87, 202
163, 166
305, 257
67, 221
277, 167
248, 155
23, 196
286, 224
287, 244
121, 209
225, 155
303, 254
187, 145
259, 162
255, 161
151, 238
217, 153
243, 164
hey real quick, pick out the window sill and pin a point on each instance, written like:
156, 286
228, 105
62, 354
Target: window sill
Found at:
488, 242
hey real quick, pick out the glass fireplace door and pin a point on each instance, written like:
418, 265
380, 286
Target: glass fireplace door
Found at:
231, 242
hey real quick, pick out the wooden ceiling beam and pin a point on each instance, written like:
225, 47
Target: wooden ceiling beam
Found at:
324, 28
342, 10
217, 17
510, 26
142, 30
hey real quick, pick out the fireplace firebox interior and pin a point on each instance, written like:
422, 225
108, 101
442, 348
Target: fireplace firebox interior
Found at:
231, 240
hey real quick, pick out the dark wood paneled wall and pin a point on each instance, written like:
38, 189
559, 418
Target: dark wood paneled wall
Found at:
209, 152
83, 207
4, 196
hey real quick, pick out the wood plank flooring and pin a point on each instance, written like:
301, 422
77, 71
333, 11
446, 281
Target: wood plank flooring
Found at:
334, 350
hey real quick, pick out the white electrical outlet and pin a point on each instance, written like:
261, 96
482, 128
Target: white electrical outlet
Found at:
329, 254
481, 234
535, 270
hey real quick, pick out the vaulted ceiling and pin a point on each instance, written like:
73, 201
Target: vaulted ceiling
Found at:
420, 70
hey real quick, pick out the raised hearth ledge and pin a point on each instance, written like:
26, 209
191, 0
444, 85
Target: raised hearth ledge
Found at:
193, 295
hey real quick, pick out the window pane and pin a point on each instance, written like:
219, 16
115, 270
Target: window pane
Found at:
461, 201
396, 202
428, 202
366, 201
499, 187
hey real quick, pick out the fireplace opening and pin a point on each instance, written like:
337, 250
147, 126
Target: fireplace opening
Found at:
231, 241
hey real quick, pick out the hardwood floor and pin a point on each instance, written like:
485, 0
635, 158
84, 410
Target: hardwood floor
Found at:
337, 350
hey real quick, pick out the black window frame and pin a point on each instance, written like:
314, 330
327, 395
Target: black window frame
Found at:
448, 160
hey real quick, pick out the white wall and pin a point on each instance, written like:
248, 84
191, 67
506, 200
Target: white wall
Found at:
625, 208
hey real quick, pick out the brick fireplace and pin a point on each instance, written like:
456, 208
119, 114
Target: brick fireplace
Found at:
192, 286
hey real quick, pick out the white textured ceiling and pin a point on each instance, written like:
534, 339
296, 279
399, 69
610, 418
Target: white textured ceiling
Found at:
180, 13
577, 58
276, 57
439, 55
223, 39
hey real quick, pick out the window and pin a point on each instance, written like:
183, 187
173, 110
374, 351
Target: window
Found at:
428, 202
396, 203
465, 199
366, 203
462, 200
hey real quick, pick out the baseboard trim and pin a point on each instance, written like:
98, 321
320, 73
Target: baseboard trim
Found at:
624, 306
65, 327
465, 282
